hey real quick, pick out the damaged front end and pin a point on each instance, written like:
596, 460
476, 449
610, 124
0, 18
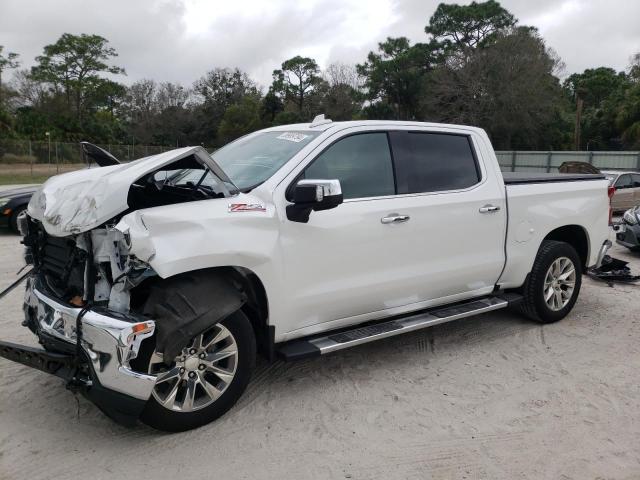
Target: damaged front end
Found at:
77, 302
85, 297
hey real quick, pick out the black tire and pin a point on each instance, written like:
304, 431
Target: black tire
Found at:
160, 418
13, 220
534, 305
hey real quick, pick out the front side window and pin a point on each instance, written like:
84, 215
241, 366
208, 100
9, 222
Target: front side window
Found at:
636, 180
251, 160
433, 162
361, 162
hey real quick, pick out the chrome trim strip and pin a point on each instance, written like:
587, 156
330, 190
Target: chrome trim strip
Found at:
407, 324
603, 251
109, 342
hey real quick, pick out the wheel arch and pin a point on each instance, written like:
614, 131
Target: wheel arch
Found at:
256, 306
574, 235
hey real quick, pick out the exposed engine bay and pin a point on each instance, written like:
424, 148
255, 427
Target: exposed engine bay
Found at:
95, 267
183, 181
92, 267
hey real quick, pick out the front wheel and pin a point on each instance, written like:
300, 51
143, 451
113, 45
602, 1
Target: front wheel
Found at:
552, 288
205, 380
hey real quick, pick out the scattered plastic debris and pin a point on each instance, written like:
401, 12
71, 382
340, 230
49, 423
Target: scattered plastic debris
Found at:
613, 270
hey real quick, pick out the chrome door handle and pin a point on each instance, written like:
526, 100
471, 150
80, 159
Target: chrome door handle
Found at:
394, 218
489, 209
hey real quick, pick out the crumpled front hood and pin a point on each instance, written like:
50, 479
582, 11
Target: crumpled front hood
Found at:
79, 201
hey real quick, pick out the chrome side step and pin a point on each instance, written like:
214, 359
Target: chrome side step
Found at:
330, 342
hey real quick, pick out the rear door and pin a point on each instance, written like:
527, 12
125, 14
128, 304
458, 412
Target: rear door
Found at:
458, 213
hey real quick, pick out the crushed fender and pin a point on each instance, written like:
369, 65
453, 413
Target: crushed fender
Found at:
613, 270
187, 305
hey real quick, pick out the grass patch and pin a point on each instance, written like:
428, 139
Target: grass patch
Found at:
37, 173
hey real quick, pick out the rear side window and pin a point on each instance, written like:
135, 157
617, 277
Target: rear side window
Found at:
361, 162
636, 181
433, 162
624, 181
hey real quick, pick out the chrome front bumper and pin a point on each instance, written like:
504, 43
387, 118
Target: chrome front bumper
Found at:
109, 340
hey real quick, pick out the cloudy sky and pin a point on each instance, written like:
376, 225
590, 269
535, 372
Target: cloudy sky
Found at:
179, 40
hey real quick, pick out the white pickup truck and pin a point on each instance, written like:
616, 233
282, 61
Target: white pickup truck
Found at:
156, 282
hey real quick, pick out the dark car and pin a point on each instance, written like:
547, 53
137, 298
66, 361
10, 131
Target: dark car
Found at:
12, 203
628, 231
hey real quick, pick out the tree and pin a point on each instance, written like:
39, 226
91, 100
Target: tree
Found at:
171, 95
395, 75
239, 119
634, 67
594, 85
7, 62
216, 91
597, 95
296, 79
507, 87
627, 112
271, 106
73, 65
466, 27
342, 99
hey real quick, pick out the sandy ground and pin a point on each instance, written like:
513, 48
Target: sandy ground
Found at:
493, 396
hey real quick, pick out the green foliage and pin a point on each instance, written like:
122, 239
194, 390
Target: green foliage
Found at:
476, 66
296, 80
72, 66
594, 85
395, 75
8, 61
218, 90
285, 118
468, 26
239, 119
507, 87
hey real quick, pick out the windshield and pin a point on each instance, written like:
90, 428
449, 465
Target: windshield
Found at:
251, 160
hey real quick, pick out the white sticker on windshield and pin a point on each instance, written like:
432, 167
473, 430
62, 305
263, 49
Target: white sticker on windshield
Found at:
292, 136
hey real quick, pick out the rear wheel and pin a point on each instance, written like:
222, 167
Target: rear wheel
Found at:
552, 288
205, 380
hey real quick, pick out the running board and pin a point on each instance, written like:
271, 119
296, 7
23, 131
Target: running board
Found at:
338, 340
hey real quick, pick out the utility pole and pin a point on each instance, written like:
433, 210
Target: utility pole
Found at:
577, 131
49, 141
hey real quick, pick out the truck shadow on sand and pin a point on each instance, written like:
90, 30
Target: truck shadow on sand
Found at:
287, 382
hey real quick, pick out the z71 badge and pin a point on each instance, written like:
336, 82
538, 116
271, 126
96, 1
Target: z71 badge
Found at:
247, 207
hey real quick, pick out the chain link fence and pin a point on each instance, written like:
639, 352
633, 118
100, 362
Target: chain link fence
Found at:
24, 161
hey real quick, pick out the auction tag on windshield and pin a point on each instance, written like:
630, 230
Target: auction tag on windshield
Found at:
292, 136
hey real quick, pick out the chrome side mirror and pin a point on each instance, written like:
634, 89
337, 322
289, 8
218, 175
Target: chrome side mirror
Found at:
315, 195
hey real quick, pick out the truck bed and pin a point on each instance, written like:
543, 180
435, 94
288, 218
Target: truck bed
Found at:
518, 178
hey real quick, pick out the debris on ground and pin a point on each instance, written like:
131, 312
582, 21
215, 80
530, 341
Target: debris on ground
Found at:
613, 270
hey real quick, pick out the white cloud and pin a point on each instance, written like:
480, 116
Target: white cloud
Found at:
179, 40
